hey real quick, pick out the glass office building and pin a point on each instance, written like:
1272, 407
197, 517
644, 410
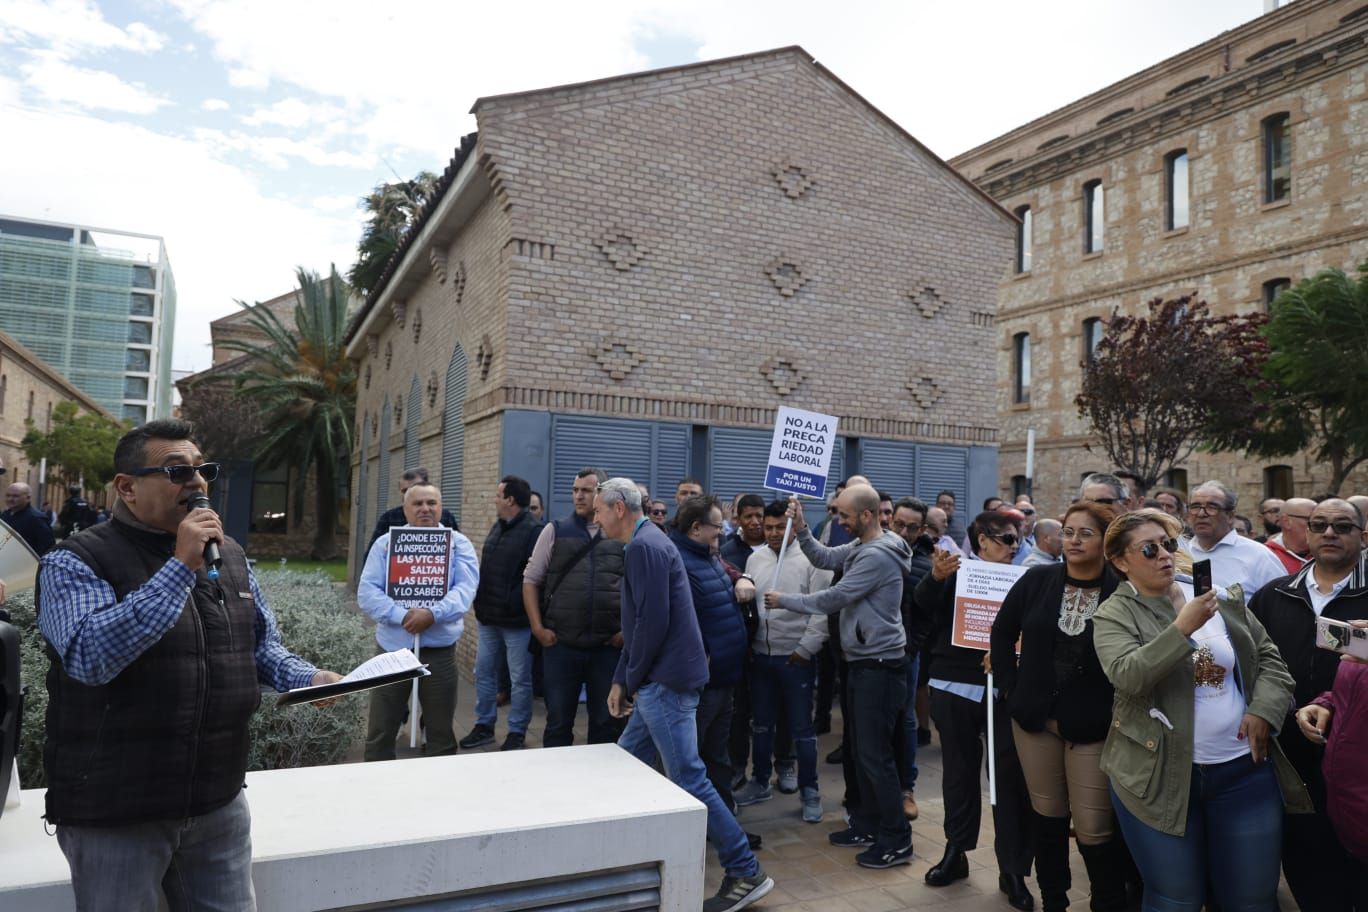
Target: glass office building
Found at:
99, 306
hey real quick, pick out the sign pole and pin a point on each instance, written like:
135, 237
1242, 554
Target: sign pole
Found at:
783, 547
992, 744
413, 700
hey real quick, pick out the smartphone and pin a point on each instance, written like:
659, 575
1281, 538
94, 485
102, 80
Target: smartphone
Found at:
1201, 577
1337, 636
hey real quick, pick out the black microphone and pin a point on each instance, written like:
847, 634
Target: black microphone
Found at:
212, 559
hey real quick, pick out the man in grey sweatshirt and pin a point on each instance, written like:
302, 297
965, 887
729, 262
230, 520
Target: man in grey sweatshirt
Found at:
869, 597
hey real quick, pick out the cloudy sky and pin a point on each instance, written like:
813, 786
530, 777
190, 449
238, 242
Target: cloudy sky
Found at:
245, 131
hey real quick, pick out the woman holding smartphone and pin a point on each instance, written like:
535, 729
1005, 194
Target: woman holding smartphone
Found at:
1197, 782
1060, 702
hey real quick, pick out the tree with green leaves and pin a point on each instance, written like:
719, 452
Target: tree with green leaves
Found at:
305, 389
1316, 376
1160, 385
392, 209
77, 445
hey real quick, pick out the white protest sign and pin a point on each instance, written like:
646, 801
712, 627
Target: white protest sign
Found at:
800, 453
419, 574
980, 588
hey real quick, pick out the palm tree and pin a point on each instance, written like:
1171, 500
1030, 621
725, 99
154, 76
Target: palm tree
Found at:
305, 386
393, 209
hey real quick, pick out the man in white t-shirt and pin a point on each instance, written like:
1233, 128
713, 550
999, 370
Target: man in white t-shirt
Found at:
1234, 559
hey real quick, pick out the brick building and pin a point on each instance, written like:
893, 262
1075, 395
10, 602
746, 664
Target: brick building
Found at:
636, 272
1232, 170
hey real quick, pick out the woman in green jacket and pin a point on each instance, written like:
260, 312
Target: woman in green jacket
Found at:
1198, 687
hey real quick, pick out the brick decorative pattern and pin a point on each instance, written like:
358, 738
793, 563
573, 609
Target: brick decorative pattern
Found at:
484, 357
927, 302
366, 376
417, 325
621, 249
389, 353
787, 277
617, 359
793, 179
400, 309
458, 283
925, 391
783, 373
438, 259
1232, 244
433, 387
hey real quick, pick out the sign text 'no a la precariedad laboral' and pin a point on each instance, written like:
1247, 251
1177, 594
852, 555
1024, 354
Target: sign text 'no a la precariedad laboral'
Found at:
800, 453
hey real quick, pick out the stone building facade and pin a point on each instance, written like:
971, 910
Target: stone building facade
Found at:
636, 272
1230, 170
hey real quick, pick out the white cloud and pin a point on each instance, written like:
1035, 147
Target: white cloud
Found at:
9, 92
225, 237
60, 82
337, 202
241, 78
294, 112
214, 104
276, 151
70, 26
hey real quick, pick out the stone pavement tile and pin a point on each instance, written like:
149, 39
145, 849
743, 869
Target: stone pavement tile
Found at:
874, 900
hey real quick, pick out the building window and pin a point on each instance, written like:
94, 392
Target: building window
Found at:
135, 413
1278, 482
1021, 367
135, 387
144, 277
139, 305
1271, 289
29, 415
138, 360
48, 425
4, 389
1023, 240
1018, 487
1277, 143
1177, 479
1092, 337
1176, 185
270, 493
140, 333
1093, 216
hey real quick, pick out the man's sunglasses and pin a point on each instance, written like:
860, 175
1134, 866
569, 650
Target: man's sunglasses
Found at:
1150, 550
657, 512
1007, 538
181, 474
1341, 526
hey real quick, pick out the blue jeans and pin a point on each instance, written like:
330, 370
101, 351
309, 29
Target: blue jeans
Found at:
663, 724
878, 692
502, 647
907, 756
566, 668
775, 683
1232, 840
202, 863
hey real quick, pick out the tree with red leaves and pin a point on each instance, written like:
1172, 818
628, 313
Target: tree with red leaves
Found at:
1161, 385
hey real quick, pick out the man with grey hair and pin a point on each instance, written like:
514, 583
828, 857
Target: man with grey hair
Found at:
658, 678
1049, 544
1099, 487
32, 526
1234, 558
1291, 546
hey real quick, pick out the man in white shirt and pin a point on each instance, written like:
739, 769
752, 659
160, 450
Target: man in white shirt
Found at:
1234, 559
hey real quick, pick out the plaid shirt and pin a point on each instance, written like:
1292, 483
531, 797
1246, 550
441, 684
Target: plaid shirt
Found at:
97, 636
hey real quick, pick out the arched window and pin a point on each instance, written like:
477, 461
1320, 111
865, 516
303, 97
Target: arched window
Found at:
1021, 368
1094, 217
1023, 240
453, 431
1176, 189
1092, 337
1277, 149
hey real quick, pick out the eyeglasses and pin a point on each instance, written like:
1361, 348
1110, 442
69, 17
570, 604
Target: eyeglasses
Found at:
1109, 501
181, 474
1207, 509
898, 525
662, 513
831, 511
1068, 533
1150, 550
1341, 526
1274, 511
1007, 538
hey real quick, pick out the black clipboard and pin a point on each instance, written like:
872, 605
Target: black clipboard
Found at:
342, 688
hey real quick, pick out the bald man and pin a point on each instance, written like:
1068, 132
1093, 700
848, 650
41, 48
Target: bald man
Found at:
31, 524
1291, 546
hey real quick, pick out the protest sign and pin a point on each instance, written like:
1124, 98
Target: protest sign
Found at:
419, 573
980, 588
800, 453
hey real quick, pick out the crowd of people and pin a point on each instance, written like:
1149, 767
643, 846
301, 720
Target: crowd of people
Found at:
1195, 744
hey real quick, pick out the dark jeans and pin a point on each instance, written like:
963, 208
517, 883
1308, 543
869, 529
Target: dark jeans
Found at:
566, 668
963, 727
1231, 840
777, 684
740, 741
1310, 847
878, 692
827, 675
714, 732
436, 699
906, 746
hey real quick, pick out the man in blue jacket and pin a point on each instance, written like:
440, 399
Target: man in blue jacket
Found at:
659, 676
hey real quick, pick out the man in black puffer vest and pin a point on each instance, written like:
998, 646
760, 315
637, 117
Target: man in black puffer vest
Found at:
572, 593
155, 671
504, 633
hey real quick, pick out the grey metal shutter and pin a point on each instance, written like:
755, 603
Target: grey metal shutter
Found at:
619, 447
890, 465
382, 482
942, 467
672, 463
615, 891
363, 526
412, 412
453, 431
737, 458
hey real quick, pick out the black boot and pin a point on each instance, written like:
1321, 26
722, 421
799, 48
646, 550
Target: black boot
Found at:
953, 866
1107, 867
1052, 862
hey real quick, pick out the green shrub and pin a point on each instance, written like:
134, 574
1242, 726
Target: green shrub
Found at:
314, 622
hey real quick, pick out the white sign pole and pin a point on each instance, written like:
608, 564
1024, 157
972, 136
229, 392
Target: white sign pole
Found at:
992, 744
413, 700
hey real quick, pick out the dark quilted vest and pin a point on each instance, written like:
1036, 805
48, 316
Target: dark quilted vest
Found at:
719, 617
582, 599
167, 738
498, 600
